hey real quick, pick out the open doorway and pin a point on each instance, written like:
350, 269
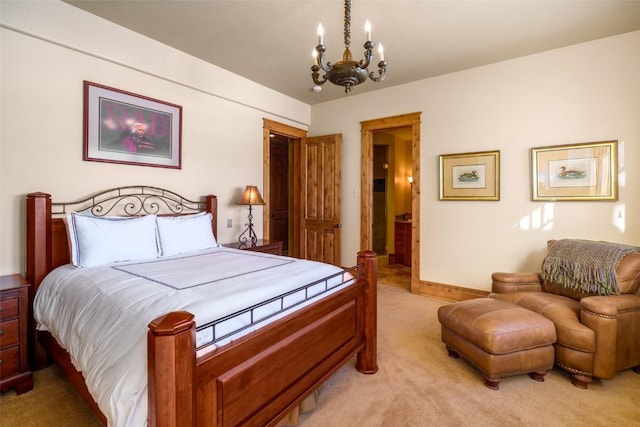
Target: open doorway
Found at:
281, 214
382, 195
392, 183
281, 195
409, 123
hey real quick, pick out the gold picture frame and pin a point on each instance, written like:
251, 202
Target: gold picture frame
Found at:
470, 176
575, 172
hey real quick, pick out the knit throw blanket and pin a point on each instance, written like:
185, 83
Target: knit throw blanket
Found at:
585, 266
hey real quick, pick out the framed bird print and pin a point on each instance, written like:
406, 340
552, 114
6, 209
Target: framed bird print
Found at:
470, 176
579, 172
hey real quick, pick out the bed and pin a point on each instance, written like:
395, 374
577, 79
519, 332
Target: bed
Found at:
254, 373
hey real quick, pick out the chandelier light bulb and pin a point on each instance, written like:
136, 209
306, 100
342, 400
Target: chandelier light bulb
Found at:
381, 52
320, 34
367, 28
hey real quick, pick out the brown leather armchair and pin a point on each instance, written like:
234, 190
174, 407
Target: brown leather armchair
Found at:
597, 335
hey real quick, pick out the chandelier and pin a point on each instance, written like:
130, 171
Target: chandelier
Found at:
347, 72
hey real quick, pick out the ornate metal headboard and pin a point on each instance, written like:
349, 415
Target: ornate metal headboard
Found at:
132, 201
47, 242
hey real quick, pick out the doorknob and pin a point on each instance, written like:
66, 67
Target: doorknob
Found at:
336, 225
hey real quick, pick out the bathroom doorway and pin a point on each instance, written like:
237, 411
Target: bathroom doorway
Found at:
410, 124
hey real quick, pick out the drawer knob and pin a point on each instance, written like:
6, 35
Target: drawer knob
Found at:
1, 332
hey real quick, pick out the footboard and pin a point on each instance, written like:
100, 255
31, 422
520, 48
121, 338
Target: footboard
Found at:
257, 379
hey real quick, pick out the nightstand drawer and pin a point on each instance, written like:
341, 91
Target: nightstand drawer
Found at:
9, 333
9, 308
274, 248
265, 246
9, 362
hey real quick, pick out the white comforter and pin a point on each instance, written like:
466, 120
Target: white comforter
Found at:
100, 314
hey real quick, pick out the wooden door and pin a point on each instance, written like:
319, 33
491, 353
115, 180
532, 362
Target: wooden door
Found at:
321, 173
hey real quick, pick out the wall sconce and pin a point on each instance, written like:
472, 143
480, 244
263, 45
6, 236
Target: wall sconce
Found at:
250, 196
410, 179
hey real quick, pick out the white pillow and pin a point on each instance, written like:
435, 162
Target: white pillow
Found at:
104, 240
185, 233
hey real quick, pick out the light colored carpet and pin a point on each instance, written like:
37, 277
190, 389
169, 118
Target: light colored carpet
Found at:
417, 385
52, 403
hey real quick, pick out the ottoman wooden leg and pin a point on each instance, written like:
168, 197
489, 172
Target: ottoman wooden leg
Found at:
452, 353
538, 375
492, 383
581, 381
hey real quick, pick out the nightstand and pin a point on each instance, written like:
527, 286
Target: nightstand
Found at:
14, 309
266, 246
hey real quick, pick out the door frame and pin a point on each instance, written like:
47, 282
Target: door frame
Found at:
268, 127
367, 129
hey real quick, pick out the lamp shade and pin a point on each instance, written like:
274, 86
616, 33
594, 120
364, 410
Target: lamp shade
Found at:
251, 196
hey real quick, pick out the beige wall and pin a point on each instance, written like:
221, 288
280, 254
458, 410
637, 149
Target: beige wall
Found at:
587, 92
49, 48
581, 93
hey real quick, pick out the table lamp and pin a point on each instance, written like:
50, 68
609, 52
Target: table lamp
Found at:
250, 196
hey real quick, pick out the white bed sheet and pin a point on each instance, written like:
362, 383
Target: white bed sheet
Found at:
100, 314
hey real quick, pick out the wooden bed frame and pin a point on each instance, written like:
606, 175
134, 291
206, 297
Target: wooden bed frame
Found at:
255, 380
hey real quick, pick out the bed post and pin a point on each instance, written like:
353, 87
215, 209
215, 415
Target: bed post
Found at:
212, 207
172, 370
366, 361
38, 237
38, 264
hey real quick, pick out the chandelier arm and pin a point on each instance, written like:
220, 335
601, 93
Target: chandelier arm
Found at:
368, 54
382, 72
325, 66
315, 75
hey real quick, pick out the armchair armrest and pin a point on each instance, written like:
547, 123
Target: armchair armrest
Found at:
611, 305
614, 320
502, 283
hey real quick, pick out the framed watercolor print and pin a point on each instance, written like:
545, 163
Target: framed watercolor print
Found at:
122, 127
470, 176
586, 171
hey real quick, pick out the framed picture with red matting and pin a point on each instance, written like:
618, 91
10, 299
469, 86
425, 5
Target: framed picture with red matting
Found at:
123, 127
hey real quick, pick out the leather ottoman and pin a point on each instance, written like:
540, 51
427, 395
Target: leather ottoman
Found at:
499, 338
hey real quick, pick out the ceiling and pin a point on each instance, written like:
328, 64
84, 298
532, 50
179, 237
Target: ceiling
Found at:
270, 42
